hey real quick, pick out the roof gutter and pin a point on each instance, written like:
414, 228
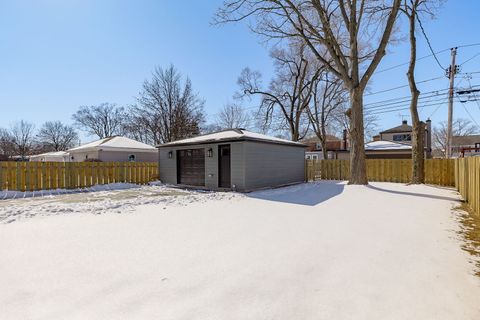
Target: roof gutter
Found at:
180, 144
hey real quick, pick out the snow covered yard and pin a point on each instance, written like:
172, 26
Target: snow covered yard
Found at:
313, 251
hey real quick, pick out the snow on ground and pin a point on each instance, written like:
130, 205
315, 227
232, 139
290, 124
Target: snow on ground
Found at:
313, 251
99, 199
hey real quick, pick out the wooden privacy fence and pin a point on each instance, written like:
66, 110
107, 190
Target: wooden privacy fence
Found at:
437, 171
32, 176
467, 181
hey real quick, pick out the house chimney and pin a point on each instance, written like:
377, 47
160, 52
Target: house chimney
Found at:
344, 140
404, 122
428, 133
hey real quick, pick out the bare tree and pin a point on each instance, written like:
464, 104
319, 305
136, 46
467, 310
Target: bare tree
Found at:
370, 122
328, 95
233, 116
460, 127
7, 146
56, 136
290, 91
412, 9
333, 30
134, 129
22, 136
104, 120
168, 109
210, 128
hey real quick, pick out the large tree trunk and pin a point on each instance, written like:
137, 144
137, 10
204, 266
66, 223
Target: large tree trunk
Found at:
324, 148
418, 127
418, 167
358, 164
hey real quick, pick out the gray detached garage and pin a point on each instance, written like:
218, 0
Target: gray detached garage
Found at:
234, 159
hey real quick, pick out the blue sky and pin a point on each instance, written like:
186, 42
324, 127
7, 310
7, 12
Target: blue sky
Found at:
56, 55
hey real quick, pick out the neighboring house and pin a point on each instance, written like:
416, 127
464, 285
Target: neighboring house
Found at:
117, 148
233, 159
465, 146
55, 156
403, 134
394, 143
313, 155
334, 144
382, 150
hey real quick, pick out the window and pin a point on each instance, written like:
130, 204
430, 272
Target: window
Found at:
402, 137
131, 158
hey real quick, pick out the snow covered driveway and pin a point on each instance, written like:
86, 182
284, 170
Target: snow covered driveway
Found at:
314, 251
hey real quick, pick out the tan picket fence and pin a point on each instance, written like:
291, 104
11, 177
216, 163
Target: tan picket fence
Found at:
32, 176
437, 171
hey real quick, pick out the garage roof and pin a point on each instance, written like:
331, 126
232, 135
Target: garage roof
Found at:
231, 135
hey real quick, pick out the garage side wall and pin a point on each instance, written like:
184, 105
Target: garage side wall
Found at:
271, 165
168, 166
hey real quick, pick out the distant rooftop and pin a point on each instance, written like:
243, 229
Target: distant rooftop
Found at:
466, 140
231, 135
114, 143
386, 145
329, 137
404, 127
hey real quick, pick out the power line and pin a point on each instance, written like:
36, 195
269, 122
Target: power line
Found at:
433, 54
407, 103
436, 109
406, 63
476, 55
469, 73
474, 94
469, 114
405, 107
428, 42
405, 98
399, 87
469, 45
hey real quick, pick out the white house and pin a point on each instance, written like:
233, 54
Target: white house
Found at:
117, 148
55, 156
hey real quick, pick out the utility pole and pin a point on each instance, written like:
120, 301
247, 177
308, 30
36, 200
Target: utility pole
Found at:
451, 71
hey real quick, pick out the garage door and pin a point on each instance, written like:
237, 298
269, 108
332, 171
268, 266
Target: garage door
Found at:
191, 167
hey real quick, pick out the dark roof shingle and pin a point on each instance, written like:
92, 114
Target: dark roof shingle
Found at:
466, 140
404, 127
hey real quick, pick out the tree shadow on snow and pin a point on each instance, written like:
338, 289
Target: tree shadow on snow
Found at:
308, 194
415, 194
